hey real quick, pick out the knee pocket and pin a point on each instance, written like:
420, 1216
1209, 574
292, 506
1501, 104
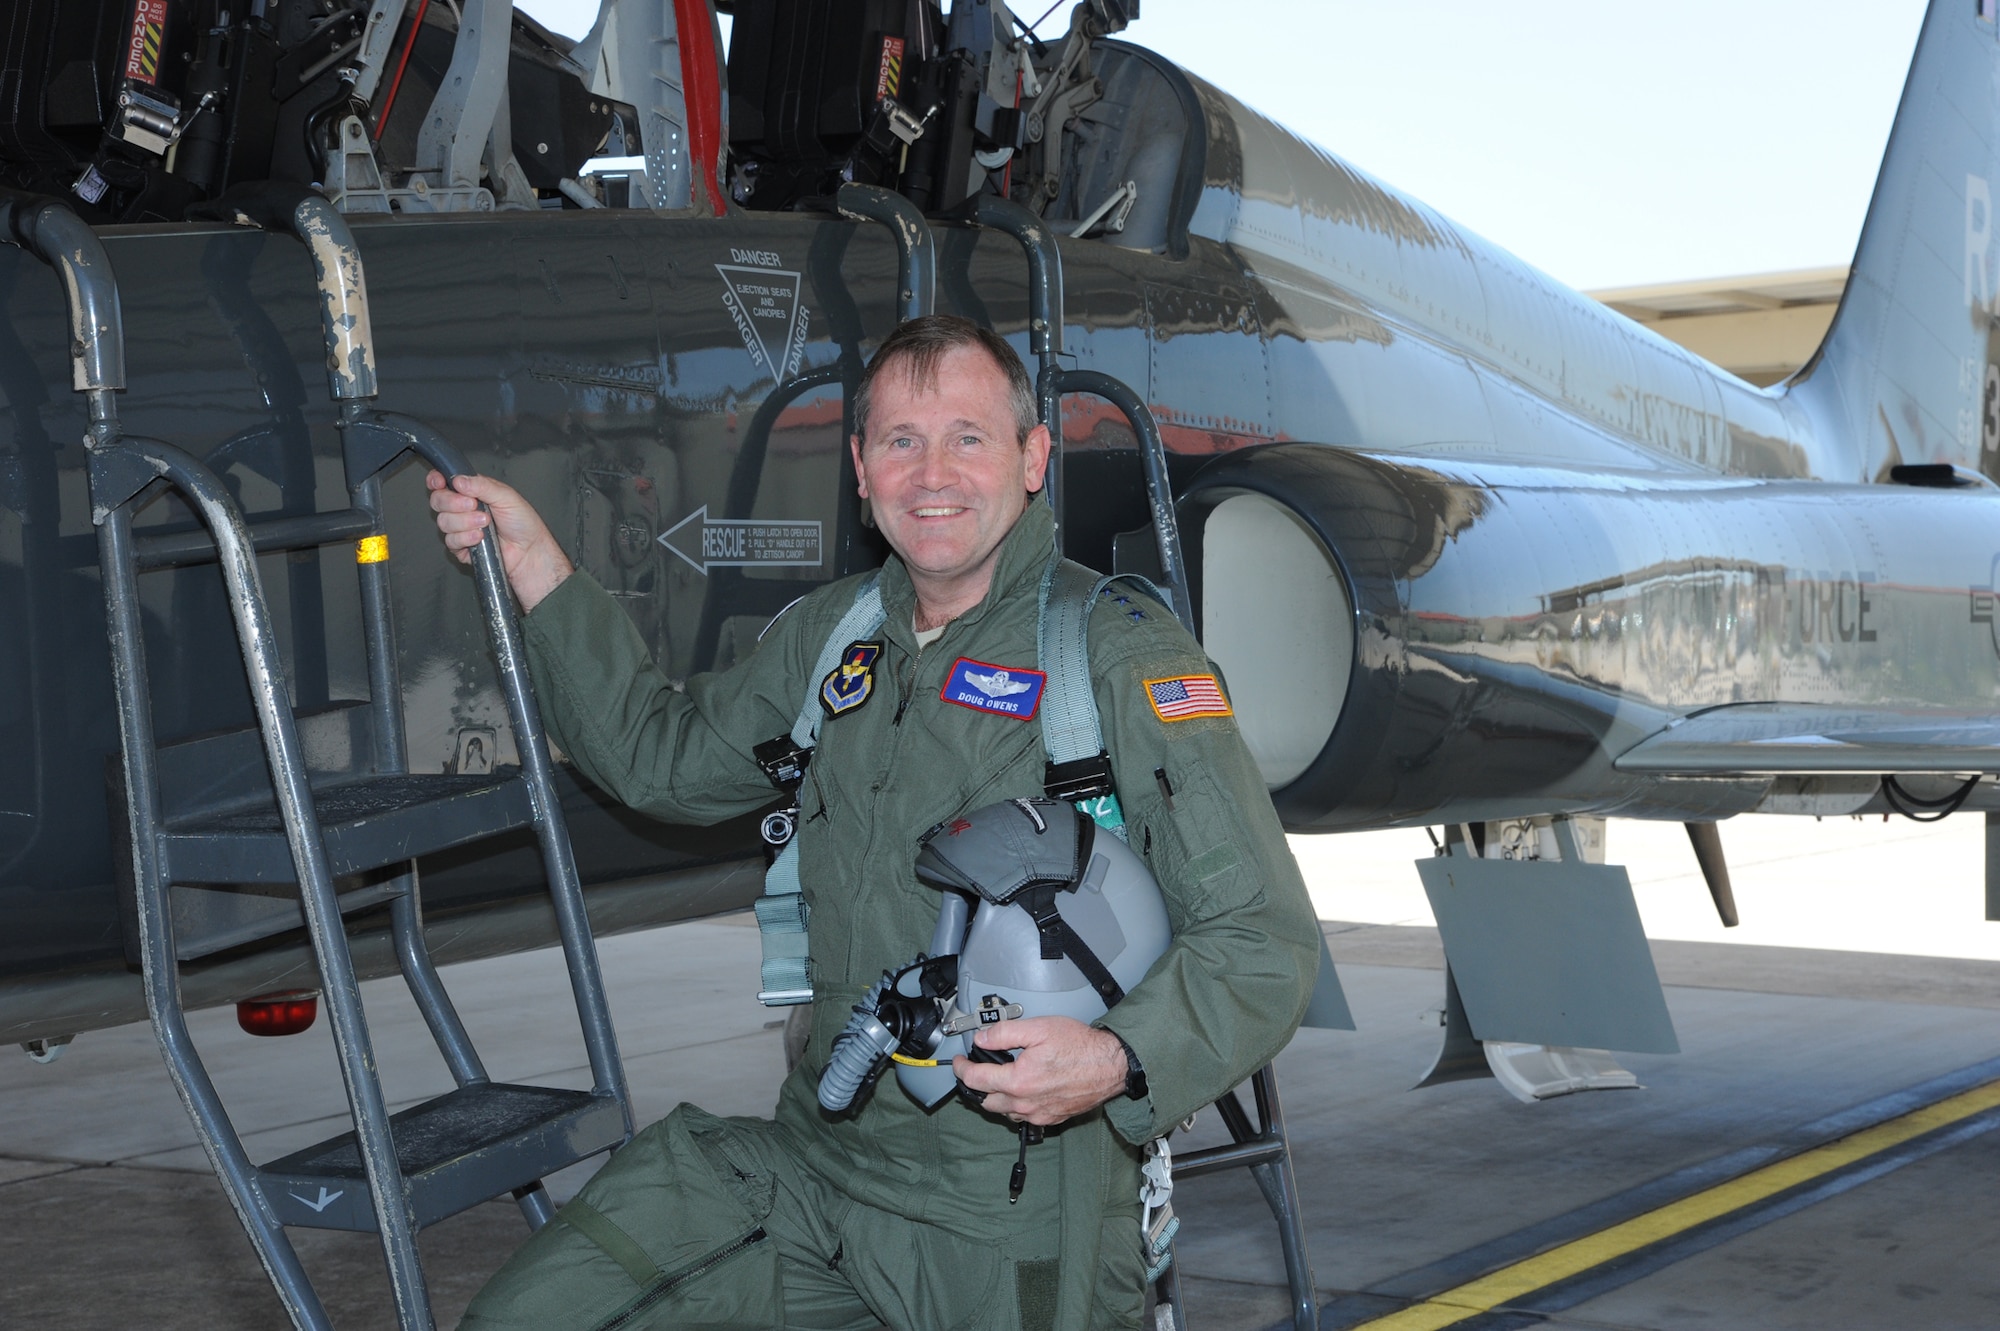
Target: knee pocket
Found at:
669, 1233
920, 1276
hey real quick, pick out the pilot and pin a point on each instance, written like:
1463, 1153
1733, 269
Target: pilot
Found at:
892, 1213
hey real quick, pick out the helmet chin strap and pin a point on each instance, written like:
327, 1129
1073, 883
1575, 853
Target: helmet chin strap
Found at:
1059, 940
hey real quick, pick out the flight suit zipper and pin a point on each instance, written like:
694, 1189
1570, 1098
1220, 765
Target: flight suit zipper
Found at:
907, 689
906, 685
667, 1286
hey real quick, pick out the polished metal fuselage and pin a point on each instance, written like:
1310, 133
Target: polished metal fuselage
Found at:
1564, 532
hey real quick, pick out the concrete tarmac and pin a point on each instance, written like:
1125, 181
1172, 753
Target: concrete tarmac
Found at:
113, 1219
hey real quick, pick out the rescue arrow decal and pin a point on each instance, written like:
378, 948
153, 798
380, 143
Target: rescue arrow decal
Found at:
707, 543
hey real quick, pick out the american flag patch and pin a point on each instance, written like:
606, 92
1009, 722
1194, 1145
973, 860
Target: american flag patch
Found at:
1186, 697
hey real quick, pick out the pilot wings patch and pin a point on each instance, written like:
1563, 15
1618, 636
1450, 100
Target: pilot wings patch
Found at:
1002, 690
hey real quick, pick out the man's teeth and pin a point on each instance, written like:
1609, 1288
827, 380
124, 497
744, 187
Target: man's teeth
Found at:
938, 512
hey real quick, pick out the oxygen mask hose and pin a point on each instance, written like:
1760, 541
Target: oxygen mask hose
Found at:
892, 1017
858, 1052
902, 1016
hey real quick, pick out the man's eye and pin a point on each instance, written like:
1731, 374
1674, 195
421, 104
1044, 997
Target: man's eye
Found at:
970, 441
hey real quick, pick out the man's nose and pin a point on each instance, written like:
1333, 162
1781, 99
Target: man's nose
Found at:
935, 470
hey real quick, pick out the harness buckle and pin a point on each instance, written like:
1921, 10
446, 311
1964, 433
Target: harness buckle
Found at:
784, 762
779, 826
1078, 779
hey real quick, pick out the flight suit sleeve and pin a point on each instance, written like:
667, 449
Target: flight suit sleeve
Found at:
1232, 986
673, 754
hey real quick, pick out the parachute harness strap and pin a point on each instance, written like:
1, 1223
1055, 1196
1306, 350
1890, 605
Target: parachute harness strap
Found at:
1079, 770
782, 912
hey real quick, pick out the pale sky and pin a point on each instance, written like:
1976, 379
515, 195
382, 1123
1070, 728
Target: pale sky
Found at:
1609, 144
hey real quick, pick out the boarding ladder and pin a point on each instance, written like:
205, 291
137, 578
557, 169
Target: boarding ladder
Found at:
262, 810
1258, 1145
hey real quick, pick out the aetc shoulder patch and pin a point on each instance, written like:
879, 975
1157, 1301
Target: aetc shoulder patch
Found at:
1185, 697
1002, 690
852, 682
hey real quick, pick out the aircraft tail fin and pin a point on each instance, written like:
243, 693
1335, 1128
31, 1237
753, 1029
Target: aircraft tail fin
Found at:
1910, 370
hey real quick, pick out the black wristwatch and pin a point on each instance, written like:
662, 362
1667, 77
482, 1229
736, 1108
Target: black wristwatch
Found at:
1135, 1074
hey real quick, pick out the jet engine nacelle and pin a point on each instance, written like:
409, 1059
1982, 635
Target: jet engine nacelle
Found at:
1436, 640
1300, 557
1395, 635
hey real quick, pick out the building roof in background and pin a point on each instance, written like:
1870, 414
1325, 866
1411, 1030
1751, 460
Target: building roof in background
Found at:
1761, 327
1727, 295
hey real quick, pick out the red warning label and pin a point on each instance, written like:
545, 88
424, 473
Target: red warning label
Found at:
889, 76
149, 30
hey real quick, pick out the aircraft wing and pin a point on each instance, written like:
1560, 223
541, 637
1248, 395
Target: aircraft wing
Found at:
1809, 738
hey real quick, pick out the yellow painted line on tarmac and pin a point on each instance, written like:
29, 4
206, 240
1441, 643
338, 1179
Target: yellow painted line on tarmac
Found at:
1580, 1255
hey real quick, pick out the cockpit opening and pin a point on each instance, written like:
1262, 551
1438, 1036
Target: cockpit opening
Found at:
144, 110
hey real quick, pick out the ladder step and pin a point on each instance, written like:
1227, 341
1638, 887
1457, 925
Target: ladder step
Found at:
368, 823
463, 1148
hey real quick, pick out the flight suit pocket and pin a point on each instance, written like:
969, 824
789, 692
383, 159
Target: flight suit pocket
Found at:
670, 1233
1190, 843
815, 802
1005, 774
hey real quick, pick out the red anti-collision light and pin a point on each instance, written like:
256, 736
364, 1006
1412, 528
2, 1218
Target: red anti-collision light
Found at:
285, 1013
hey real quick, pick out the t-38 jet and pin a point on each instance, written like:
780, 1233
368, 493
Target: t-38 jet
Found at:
1472, 551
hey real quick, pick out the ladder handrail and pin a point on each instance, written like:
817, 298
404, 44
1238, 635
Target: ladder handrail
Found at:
343, 298
1045, 276
916, 248
343, 285
746, 475
390, 436
1159, 485
1045, 321
56, 235
1045, 342
385, 693
51, 232
159, 971
257, 638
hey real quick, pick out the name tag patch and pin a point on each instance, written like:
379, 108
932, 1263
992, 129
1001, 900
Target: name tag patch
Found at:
1185, 697
852, 682
1002, 690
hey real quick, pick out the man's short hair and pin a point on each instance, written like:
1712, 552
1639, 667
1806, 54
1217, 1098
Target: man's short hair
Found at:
923, 343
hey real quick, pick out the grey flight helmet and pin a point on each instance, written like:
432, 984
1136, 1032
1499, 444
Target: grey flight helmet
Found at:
1065, 882
1063, 921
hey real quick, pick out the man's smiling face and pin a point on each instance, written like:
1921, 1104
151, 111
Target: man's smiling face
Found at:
946, 474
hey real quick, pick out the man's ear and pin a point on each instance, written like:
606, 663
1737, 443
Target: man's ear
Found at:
1035, 458
860, 472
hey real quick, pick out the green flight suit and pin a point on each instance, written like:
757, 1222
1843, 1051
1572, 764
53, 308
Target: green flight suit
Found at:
906, 1210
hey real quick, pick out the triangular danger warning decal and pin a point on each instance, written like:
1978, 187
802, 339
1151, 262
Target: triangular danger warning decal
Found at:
770, 317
